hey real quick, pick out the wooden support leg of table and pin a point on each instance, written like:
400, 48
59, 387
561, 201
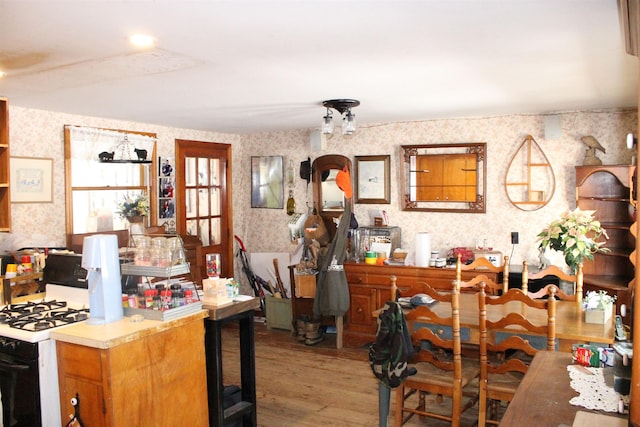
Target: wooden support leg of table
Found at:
339, 330
246, 408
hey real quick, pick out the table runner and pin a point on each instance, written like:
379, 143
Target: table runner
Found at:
594, 391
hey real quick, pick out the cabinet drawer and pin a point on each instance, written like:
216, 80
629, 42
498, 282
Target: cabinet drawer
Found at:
83, 361
360, 310
445, 332
356, 277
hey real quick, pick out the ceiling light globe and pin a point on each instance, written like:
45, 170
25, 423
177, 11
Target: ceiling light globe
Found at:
349, 123
327, 125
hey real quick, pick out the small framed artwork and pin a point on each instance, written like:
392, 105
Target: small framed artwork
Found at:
267, 182
372, 179
31, 180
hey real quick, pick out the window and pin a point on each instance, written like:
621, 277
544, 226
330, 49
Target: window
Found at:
103, 166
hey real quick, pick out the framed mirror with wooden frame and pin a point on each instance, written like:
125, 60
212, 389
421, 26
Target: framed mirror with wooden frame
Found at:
444, 177
328, 199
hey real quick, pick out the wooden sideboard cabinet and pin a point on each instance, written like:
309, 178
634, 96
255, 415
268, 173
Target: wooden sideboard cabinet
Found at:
370, 288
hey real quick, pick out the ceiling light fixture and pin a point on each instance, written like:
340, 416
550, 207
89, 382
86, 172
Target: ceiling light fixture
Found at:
342, 106
142, 40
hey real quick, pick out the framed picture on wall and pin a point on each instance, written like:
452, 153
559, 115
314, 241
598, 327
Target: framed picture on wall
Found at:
31, 180
372, 179
166, 193
267, 182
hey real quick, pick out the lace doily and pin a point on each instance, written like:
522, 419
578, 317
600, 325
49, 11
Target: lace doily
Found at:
594, 392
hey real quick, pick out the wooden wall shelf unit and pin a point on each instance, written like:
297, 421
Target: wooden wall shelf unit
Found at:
24, 284
529, 181
5, 194
370, 288
607, 189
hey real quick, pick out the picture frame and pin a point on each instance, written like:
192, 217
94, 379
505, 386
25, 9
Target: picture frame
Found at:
267, 182
31, 179
372, 179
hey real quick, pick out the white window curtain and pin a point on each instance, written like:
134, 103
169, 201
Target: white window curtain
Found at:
88, 143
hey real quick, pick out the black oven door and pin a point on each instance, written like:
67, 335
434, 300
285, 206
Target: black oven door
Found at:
20, 390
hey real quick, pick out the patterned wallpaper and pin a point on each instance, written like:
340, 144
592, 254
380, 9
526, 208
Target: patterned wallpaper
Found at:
37, 133
503, 136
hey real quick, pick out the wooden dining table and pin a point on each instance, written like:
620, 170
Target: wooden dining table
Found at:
571, 327
541, 402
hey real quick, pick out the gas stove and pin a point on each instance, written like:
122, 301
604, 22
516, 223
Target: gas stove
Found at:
39, 316
28, 363
33, 320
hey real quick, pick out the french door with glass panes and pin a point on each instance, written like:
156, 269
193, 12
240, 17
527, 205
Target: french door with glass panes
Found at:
203, 178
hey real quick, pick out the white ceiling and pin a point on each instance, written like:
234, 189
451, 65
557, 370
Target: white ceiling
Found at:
248, 66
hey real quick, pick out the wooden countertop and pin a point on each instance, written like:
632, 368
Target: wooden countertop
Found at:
119, 332
220, 312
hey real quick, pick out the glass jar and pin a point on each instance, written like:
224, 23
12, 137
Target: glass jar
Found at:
160, 257
142, 256
141, 241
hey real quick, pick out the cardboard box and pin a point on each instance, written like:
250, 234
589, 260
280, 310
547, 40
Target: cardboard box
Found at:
278, 313
598, 316
305, 285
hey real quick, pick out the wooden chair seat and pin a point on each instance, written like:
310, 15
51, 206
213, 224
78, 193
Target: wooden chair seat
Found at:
506, 383
428, 372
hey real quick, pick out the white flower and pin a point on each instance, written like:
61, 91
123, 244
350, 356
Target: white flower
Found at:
598, 300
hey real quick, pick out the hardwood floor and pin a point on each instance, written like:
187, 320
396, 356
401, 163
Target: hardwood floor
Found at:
300, 385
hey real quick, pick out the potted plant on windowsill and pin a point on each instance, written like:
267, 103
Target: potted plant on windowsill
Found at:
134, 208
598, 307
576, 234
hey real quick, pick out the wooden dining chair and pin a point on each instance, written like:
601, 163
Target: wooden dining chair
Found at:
441, 370
552, 270
483, 264
504, 342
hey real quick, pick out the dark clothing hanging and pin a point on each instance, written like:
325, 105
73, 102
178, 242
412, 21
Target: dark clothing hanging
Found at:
332, 290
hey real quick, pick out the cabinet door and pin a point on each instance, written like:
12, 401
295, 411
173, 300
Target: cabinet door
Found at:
80, 372
429, 178
91, 401
459, 178
363, 304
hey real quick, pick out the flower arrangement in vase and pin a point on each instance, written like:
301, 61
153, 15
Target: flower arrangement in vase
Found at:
134, 207
576, 234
